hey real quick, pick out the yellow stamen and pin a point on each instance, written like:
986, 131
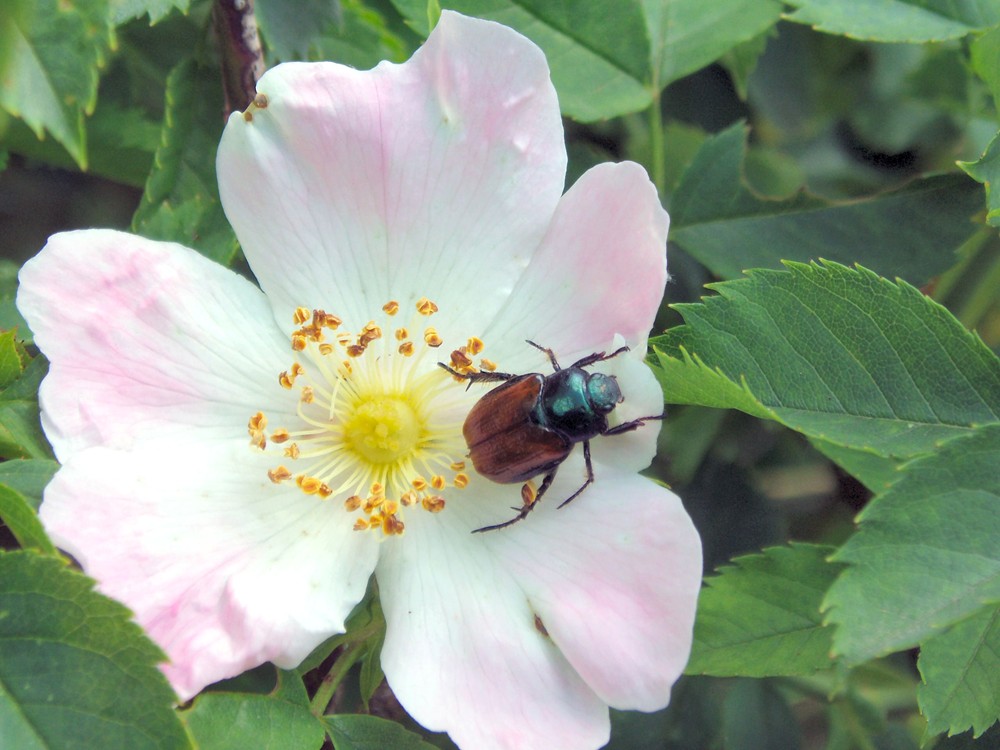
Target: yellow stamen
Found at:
371, 427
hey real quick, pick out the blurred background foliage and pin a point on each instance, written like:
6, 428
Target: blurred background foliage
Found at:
774, 131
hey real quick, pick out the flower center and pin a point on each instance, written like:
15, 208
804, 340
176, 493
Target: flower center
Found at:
383, 429
378, 426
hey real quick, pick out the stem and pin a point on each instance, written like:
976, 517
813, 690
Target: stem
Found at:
341, 666
239, 44
657, 150
354, 649
983, 296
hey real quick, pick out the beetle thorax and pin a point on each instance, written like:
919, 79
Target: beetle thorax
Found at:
566, 404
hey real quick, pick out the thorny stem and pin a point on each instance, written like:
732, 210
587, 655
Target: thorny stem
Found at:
239, 44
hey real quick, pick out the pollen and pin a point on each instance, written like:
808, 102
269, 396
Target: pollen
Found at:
378, 433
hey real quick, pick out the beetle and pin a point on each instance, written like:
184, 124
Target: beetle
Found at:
528, 426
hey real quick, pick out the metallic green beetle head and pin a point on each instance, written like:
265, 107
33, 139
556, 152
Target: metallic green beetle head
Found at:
603, 392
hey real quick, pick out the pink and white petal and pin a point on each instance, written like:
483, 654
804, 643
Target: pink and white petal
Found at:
600, 270
631, 451
147, 341
223, 569
435, 177
614, 578
462, 652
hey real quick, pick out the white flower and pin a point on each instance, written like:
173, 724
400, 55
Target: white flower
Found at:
361, 199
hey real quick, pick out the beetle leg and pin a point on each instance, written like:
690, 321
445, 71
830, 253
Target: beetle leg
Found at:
524, 509
618, 429
548, 353
478, 377
590, 475
591, 359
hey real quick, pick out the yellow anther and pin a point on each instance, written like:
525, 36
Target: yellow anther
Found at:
391, 307
377, 489
326, 349
406, 348
460, 361
487, 364
401, 334
392, 526
352, 503
458, 466
433, 503
292, 451
299, 342
280, 435
323, 319
279, 474
308, 395
356, 350
361, 524
301, 315
432, 339
426, 307
286, 380
255, 427
324, 490
408, 498
461, 480
474, 346
419, 483
528, 493
309, 485
438, 482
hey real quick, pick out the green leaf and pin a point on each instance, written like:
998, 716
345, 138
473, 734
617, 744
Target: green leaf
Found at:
742, 59
181, 200
897, 20
361, 38
11, 362
291, 27
21, 519
598, 53
28, 476
874, 471
371, 668
965, 741
359, 732
126, 10
925, 554
75, 671
612, 59
761, 617
984, 53
961, 675
757, 717
51, 80
987, 171
235, 721
690, 34
10, 318
20, 425
838, 354
911, 233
